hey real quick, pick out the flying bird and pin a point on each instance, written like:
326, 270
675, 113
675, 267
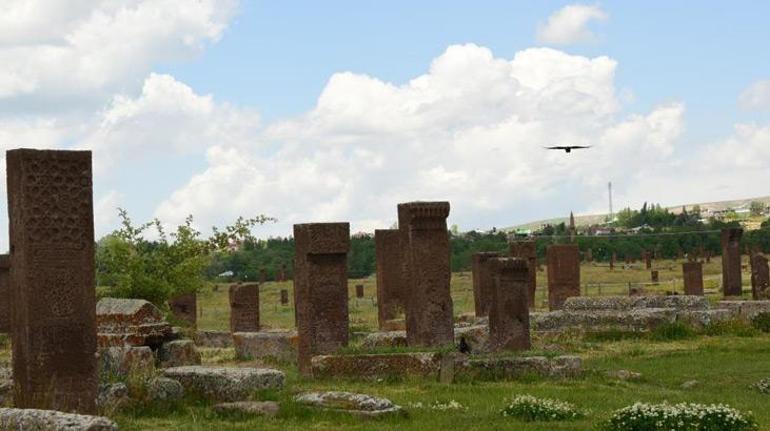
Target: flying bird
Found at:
568, 148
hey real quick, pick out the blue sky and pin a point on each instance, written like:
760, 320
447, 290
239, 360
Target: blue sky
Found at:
338, 110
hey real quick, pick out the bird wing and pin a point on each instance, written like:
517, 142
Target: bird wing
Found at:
555, 148
580, 146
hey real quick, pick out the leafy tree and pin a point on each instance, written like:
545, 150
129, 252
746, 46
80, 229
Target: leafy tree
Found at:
756, 208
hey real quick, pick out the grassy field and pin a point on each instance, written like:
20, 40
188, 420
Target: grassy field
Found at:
724, 367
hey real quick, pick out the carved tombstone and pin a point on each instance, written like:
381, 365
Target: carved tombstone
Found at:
424, 237
5, 280
359, 290
185, 307
321, 289
647, 259
527, 250
731, 262
244, 307
284, 296
52, 300
760, 277
390, 284
563, 274
693, 278
483, 281
509, 311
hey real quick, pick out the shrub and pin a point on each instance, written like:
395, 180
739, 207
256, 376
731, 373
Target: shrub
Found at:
529, 408
672, 331
761, 321
763, 386
679, 417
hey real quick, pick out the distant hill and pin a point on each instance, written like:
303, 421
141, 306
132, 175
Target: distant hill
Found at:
589, 219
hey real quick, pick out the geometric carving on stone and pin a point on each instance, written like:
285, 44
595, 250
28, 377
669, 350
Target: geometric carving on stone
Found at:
509, 311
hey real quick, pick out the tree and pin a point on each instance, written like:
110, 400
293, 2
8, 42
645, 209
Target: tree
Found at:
757, 208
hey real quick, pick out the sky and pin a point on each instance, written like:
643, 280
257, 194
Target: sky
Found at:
339, 110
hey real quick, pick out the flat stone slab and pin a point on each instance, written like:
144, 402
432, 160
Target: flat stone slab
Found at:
130, 322
254, 408
746, 309
619, 303
703, 318
376, 365
223, 383
178, 353
280, 345
508, 368
218, 339
378, 340
51, 420
641, 319
351, 403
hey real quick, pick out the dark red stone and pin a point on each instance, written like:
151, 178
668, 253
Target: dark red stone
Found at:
654, 276
509, 311
692, 273
527, 250
731, 262
185, 308
5, 317
483, 282
244, 307
390, 282
760, 277
563, 274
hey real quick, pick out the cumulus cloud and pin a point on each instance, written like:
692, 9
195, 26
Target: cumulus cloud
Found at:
569, 25
756, 97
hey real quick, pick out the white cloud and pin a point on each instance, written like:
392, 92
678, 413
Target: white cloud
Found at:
569, 25
756, 97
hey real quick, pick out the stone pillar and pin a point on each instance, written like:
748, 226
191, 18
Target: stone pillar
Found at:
527, 250
429, 320
647, 259
760, 277
185, 308
52, 288
282, 274
244, 307
509, 311
613, 259
321, 289
483, 281
731, 262
654, 276
563, 274
284, 296
692, 272
359, 290
5, 293
390, 284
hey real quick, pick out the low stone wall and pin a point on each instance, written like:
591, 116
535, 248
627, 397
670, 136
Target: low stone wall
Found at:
511, 368
377, 366
217, 339
621, 303
596, 320
278, 345
745, 309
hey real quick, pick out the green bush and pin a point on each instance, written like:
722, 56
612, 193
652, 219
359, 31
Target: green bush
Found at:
529, 408
672, 331
679, 417
761, 321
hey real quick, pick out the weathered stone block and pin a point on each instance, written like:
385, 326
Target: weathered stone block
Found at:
563, 274
377, 365
731, 261
253, 408
692, 273
244, 307
280, 345
124, 361
350, 403
218, 339
508, 368
51, 420
745, 309
130, 322
483, 282
509, 311
185, 308
528, 250
760, 277
390, 283
178, 353
5, 317
225, 384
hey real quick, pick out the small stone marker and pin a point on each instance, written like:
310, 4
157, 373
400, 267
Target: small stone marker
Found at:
284, 297
52, 282
282, 274
321, 289
483, 282
185, 307
359, 290
731, 261
5, 317
244, 307
351, 403
563, 274
224, 383
509, 313
654, 276
692, 273
390, 283
760, 277
425, 241
527, 250
613, 259
647, 259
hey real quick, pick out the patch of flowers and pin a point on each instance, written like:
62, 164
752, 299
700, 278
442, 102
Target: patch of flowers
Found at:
679, 417
529, 408
438, 405
763, 386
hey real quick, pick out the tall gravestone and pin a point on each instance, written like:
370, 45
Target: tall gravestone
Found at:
760, 277
731, 262
425, 241
563, 274
613, 259
359, 290
284, 297
654, 276
185, 307
321, 289
509, 311
693, 278
244, 307
647, 259
5, 286
527, 250
483, 281
390, 283
52, 287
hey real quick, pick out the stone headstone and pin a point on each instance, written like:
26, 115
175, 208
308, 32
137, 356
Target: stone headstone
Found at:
483, 282
692, 273
654, 276
613, 259
53, 324
425, 241
244, 307
647, 259
284, 297
185, 307
760, 277
563, 274
731, 262
390, 283
282, 274
321, 289
527, 250
359, 290
124, 322
708, 256
5, 317
509, 312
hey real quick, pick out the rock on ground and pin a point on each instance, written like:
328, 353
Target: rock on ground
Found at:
112, 396
178, 353
280, 345
377, 365
256, 408
122, 361
51, 420
164, 389
130, 322
225, 384
352, 403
